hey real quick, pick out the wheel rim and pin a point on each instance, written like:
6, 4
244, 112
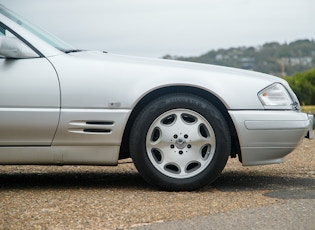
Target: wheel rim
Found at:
180, 143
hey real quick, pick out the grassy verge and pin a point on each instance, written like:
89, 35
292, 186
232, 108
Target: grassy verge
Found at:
308, 108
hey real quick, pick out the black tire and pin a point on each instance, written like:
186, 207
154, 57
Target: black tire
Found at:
180, 142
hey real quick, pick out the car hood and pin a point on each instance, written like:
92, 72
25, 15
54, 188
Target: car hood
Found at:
175, 64
100, 75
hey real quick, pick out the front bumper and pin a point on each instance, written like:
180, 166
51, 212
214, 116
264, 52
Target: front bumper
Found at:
310, 133
267, 136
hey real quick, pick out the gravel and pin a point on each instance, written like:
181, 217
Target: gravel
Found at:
81, 197
290, 216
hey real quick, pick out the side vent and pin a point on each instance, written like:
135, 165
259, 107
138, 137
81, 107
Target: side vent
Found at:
97, 130
99, 122
91, 127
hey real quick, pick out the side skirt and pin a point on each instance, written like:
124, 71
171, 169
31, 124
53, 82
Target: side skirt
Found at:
60, 155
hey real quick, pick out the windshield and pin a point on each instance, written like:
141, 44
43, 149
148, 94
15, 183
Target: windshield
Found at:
47, 37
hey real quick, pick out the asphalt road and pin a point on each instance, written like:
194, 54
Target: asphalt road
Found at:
84, 197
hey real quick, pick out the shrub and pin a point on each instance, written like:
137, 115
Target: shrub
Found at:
303, 84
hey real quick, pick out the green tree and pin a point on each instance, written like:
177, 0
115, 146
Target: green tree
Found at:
303, 84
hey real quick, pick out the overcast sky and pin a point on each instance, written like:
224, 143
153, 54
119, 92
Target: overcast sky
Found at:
154, 28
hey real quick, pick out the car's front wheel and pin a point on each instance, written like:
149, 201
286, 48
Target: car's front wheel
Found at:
180, 142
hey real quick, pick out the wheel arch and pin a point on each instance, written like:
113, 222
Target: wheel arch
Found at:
235, 147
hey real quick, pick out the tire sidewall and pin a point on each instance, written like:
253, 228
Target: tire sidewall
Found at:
179, 101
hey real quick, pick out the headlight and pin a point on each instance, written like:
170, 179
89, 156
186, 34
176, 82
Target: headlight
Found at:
275, 96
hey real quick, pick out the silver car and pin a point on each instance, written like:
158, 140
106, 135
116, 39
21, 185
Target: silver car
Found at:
179, 122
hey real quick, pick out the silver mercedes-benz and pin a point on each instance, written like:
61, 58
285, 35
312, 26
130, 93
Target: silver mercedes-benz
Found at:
179, 122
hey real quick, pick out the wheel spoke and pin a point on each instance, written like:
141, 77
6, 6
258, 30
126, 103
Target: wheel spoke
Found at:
195, 137
180, 143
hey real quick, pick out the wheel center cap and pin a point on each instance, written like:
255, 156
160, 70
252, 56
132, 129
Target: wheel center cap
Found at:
180, 143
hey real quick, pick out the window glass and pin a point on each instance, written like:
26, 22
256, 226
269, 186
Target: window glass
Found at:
47, 37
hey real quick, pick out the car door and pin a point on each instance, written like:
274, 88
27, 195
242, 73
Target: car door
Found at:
29, 101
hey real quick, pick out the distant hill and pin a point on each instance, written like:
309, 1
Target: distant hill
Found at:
272, 58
